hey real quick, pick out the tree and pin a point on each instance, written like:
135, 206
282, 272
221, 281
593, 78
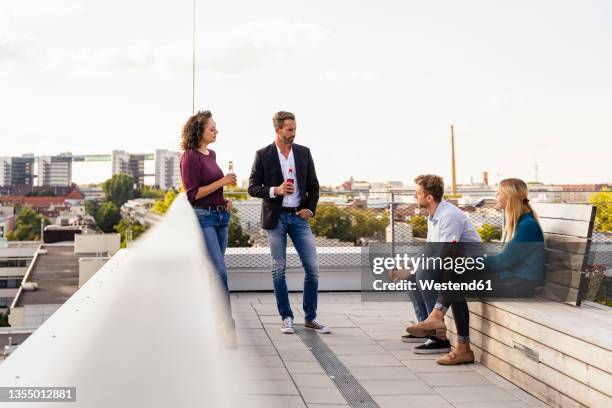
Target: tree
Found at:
161, 206
367, 224
92, 207
419, 226
348, 225
126, 225
237, 195
331, 222
603, 218
4, 321
237, 237
108, 216
149, 192
489, 232
119, 189
27, 225
43, 193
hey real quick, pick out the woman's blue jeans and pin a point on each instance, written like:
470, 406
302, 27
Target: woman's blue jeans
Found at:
215, 227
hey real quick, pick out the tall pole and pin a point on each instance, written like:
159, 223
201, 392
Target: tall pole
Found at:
454, 170
193, 64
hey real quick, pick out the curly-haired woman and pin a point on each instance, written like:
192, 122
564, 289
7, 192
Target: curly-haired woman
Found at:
203, 181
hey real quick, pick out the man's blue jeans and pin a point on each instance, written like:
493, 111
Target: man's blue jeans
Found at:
215, 226
299, 231
424, 300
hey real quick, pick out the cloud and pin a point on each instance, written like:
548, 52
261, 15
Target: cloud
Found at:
358, 75
18, 49
499, 102
235, 50
36, 9
133, 57
248, 46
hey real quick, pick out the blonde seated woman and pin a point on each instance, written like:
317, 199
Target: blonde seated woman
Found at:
515, 272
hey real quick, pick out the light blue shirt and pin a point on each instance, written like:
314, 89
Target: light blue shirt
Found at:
450, 224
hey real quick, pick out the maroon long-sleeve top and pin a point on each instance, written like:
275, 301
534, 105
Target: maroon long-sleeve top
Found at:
199, 170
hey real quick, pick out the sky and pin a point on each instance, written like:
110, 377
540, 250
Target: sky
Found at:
375, 86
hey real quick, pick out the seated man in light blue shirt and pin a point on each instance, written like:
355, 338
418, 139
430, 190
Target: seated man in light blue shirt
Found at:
445, 223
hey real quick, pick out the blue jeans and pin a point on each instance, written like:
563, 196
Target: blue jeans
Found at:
299, 231
215, 227
423, 300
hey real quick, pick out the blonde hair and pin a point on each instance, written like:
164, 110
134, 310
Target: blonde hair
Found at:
517, 203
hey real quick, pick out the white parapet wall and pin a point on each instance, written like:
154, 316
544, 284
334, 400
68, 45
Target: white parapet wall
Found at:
89, 266
144, 331
249, 269
97, 243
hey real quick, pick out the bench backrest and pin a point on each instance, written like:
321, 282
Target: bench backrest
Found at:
567, 235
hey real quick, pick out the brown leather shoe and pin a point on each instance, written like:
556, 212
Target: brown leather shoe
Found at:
453, 358
427, 328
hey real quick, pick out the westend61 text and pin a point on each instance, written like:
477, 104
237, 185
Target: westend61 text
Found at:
404, 285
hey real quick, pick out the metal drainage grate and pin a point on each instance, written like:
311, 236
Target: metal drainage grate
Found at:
348, 385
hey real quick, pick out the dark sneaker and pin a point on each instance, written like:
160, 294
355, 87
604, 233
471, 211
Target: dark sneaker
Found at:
433, 346
287, 326
409, 338
317, 326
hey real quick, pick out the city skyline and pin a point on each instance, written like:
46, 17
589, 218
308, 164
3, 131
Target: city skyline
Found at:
371, 103
94, 172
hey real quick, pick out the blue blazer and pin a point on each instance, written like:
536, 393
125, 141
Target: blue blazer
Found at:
523, 257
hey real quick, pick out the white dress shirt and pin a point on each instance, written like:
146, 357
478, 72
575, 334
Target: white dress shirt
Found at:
292, 200
450, 224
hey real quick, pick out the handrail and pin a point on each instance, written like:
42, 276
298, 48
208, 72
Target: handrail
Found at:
143, 331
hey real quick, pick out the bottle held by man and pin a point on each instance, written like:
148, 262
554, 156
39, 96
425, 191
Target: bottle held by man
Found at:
290, 179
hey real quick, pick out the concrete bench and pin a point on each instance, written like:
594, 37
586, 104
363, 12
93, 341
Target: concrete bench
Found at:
550, 347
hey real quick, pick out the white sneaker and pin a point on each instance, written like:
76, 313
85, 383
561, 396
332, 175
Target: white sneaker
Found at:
287, 326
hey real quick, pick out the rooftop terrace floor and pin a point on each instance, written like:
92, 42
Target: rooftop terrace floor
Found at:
365, 338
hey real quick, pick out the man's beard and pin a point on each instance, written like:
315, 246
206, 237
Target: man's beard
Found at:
424, 208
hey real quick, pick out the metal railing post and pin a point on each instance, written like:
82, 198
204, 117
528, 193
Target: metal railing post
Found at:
392, 216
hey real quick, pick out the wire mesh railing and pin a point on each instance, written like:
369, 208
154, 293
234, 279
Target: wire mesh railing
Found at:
356, 218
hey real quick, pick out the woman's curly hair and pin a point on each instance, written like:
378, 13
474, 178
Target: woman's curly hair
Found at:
194, 129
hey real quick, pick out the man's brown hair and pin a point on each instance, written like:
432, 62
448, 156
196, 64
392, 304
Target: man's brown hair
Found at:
432, 184
280, 117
